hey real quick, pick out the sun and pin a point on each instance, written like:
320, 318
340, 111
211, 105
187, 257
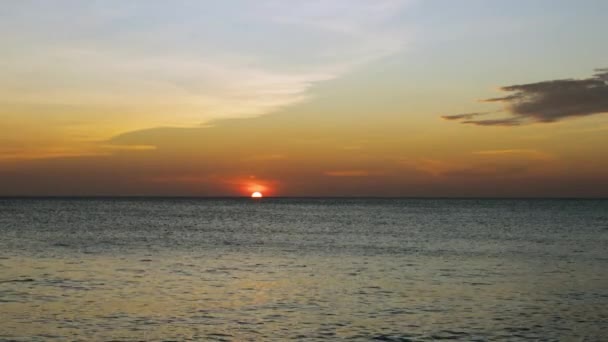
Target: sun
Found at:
256, 194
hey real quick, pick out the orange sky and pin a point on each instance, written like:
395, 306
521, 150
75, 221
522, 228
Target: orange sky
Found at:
382, 102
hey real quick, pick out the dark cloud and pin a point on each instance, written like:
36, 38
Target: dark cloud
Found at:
494, 122
547, 101
465, 116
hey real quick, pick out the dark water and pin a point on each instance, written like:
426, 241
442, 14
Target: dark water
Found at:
326, 269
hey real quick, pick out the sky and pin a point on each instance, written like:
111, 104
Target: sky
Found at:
432, 98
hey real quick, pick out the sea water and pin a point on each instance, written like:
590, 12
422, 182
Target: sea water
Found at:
157, 269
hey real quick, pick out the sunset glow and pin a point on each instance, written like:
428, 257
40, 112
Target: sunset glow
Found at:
256, 195
342, 98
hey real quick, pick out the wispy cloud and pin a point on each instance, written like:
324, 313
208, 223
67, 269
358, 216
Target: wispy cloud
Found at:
266, 157
464, 116
129, 147
186, 60
495, 122
519, 153
164, 64
547, 101
486, 163
348, 173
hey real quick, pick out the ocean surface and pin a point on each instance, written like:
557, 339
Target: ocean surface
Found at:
303, 269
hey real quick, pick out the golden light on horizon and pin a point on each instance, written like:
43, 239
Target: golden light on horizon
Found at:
253, 186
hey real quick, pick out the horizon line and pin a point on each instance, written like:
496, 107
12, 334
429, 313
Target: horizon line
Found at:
2, 197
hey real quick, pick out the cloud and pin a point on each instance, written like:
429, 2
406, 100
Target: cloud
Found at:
519, 153
118, 67
181, 58
495, 122
452, 168
266, 157
547, 101
467, 116
506, 151
348, 173
485, 163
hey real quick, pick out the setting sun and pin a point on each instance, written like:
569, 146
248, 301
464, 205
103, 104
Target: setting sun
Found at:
256, 194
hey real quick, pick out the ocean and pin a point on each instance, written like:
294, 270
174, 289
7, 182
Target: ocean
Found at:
177, 269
